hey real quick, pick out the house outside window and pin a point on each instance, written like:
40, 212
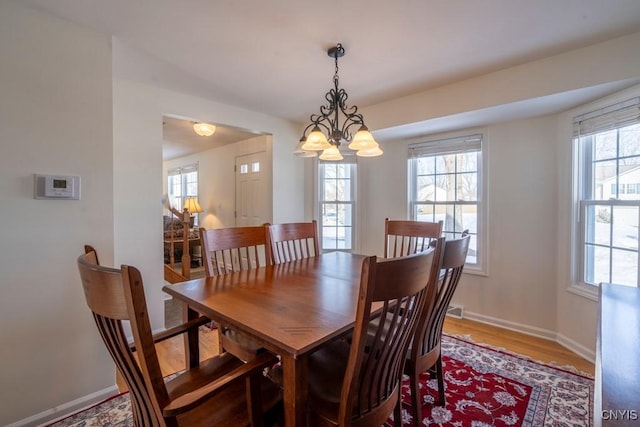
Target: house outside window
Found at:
446, 184
182, 183
608, 145
337, 191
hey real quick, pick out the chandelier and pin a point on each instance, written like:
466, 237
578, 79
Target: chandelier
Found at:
327, 133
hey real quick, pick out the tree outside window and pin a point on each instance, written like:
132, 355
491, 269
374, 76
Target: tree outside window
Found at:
445, 186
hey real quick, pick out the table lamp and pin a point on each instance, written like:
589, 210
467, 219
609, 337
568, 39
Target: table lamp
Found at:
192, 206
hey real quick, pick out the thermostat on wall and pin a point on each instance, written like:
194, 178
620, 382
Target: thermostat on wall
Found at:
57, 187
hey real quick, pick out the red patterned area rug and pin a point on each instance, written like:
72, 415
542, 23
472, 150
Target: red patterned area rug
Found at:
490, 387
484, 387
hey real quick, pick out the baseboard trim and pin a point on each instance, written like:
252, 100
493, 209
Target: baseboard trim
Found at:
59, 412
577, 348
564, 341
512, 326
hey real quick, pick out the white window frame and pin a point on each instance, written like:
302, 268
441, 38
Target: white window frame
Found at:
321, 203
617, 115
186, 190
471, 140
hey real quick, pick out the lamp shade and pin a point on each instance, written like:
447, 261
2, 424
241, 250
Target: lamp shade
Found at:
191, 204
204, 129
370, 152
363, 140
316, 141
301, 152
331, 153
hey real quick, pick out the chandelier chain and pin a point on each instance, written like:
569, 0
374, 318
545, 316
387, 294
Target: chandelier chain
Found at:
335, 76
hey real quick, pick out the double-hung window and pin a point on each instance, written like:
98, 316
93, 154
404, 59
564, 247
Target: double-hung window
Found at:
608, 146
446, 184
337, 182
182, 183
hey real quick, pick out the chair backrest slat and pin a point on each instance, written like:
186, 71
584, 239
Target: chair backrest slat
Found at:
233, 249
404, 237
292, 241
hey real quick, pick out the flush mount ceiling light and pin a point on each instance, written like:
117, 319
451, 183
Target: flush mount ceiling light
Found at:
326, 131
204, 129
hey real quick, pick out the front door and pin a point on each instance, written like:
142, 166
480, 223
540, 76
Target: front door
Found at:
251, 189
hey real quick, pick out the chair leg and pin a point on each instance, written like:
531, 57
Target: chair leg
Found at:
416, 402
440, 376
397, 411
254, 401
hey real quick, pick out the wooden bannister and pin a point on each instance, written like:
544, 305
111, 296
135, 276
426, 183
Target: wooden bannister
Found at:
185, 219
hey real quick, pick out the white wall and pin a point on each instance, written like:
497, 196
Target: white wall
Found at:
520, 287
55, 117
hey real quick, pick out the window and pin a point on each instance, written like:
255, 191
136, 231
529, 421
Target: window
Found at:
337, 205
608, 143
445, 184
182, 182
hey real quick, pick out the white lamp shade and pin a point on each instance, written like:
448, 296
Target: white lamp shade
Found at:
316, 141
300, 152
331, 153
363, 140
371, 152
204, 129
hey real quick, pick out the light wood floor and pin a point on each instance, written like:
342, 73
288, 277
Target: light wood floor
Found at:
171, 352
537, 349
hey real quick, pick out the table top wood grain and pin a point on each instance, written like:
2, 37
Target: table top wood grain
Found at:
291, 307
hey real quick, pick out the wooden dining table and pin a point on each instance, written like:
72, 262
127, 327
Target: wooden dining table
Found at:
291, 309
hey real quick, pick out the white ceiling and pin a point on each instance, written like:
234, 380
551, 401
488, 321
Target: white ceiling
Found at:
270, 56
179, 138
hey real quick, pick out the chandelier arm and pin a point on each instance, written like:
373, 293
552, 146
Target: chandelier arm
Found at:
323, 125
352, 117
347, 125
304, 132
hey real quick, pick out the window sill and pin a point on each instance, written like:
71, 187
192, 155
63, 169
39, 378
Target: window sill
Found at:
584, 290
476, 271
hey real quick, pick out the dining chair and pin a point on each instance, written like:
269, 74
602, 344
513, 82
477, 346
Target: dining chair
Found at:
404, 237
234, 249
424, 353
221, 391
358, 381
292, 241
